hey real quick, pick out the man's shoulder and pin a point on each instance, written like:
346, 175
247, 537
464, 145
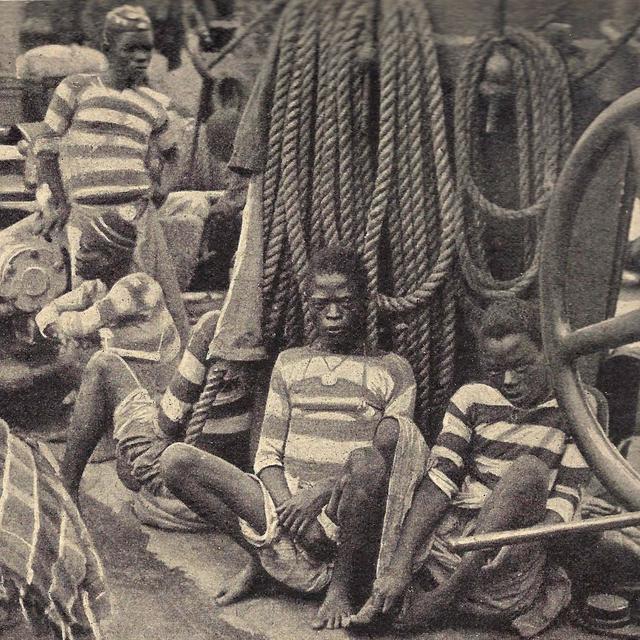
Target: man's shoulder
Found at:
163, 100
78, 81
477, 393
293, 355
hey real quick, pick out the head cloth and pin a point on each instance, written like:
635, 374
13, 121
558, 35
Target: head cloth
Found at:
125, 19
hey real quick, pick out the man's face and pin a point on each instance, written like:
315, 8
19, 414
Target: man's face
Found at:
129, 56
94, 260
337, 310
516, 366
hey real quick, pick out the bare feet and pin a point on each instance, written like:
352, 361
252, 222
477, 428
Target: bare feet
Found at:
336, 610
241, 584
421, 607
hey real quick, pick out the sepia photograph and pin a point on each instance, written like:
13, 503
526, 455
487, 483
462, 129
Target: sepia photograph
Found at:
319, 319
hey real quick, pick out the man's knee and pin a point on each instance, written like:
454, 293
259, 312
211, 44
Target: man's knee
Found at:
529, 475
177, 462
366, 468
386, 437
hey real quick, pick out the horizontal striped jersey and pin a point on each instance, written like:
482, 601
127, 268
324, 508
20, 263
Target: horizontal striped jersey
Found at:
483, 433
105, 138
131, 318
321, 406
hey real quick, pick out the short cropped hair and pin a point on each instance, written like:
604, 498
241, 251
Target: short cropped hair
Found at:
124, 19
336, 259
512, 316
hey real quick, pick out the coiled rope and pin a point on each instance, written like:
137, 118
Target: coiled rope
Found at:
328, 181
543, 116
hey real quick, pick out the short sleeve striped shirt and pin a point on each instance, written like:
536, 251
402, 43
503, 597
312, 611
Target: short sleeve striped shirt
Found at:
105, 138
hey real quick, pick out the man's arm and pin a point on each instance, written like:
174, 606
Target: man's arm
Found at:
58, 120
127, 298
446, 469
269, 462
78, 299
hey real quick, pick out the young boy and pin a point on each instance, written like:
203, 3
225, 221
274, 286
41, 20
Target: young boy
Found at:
338, 453
105, 140
504, 460
140, 351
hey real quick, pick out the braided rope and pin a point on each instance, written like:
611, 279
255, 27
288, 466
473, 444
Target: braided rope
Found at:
321, 182
202, 408
274, 233
448, 201
354, 21
384, 178
543, 106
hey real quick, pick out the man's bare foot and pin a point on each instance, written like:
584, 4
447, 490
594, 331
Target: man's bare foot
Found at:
421, 608
241, 584
336, 610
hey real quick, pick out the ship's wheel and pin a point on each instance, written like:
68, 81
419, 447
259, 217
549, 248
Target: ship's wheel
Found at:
563, 344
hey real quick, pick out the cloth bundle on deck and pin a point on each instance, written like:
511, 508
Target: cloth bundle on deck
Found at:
47, 550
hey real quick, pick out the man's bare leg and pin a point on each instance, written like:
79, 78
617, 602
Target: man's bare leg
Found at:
104, 382
518, 500
357, 506
221, 493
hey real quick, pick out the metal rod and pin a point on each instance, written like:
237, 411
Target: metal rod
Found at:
502, 538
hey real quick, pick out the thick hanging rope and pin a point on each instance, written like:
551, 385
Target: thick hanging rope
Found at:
543, 117
324, 184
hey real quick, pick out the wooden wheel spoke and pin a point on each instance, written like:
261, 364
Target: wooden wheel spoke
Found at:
608, 334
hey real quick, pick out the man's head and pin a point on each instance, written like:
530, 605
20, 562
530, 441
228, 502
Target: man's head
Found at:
127, 41
337, 294
106, 247
511, 348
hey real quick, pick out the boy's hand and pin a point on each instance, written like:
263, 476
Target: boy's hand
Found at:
297, 513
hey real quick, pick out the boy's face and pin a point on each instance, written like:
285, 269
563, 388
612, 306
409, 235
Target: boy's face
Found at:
94, 260
337, 310
516, 366
129, 56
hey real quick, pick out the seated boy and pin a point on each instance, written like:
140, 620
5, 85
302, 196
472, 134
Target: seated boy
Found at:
337, 447
140, 351
504, 460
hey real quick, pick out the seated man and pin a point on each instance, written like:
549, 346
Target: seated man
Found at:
337, 445
503, 460
140, 351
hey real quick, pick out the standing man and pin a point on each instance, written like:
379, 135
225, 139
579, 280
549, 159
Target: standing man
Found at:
503, 460
338, 456
106, 148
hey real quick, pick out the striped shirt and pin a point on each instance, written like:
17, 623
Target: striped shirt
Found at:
310, 428
105, 138
131, 318
483, 433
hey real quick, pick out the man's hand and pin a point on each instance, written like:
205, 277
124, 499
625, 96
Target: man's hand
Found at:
301, 509
52, 332
51, 215
386, 592
512, 557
